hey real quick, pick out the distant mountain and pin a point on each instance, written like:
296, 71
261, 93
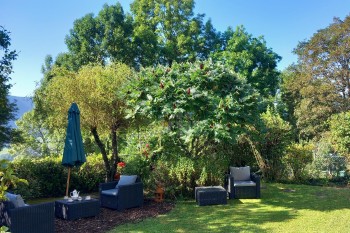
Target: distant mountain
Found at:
24, 104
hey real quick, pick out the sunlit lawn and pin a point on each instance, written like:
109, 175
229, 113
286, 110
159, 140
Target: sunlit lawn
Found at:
282, 208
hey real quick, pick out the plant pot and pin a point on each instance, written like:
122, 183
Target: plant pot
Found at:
117, 176
159, 194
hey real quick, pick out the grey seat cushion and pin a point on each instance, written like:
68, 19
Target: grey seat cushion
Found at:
240, 173
16, 200
244, 183
110, 192
126, 180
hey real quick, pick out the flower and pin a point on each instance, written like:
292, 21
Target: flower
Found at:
120, 166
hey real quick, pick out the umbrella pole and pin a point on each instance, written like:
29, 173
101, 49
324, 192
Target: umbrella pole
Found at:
68, 178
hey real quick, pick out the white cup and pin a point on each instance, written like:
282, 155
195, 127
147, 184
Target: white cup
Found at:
87, 198
65, 197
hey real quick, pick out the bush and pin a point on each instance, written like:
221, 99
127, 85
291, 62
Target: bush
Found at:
297, 157
48, 178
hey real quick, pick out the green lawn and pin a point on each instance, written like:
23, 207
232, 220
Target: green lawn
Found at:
282, 208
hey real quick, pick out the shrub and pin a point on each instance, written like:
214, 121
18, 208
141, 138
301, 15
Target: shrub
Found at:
297, 156
8, 178
275, 137
47, 177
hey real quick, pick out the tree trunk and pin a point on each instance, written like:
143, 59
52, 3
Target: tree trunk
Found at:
115, 157
103, 152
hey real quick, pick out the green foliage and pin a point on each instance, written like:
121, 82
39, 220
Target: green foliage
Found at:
251, 59
89, 175
326, 164
8, 178
291, 83
167, 31
47, 177
137, 164
179, 174
340, 132
318, 85
100, 92
274, 138
200, 110
200, 103
298, 156
37, 140
4, 229
6, 108
106, 37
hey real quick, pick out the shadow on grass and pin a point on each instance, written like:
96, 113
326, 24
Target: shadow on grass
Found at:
280, 204
306, 197
236, 216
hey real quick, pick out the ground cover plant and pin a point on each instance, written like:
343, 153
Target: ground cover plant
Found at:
282, 208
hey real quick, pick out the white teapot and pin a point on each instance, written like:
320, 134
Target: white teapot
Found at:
74, 194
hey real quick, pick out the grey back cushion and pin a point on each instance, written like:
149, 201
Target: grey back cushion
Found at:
126, 180
16, 200
240, 173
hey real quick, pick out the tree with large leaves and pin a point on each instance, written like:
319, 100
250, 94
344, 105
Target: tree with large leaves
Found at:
201, 104
6, 107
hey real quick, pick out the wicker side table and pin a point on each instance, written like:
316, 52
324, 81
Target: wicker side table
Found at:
77, 209
210, 195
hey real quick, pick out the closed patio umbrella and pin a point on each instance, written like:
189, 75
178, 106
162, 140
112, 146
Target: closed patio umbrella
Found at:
73, 154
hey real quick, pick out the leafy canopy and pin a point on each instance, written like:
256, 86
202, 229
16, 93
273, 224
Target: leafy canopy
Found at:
200, 103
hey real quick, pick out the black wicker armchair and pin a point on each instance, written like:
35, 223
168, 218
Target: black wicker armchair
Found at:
123, 197
241, 183
38, 218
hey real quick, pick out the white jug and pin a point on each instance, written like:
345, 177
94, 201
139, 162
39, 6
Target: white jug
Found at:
75, 193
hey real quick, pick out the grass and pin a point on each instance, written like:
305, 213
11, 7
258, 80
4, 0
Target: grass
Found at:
282, 208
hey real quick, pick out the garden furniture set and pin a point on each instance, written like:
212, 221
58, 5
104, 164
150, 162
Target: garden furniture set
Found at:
239, 183
22, 218
119, 195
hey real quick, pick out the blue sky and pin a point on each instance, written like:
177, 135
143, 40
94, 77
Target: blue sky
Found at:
38, 27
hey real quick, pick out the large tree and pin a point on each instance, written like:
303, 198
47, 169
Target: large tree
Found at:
100, 94
320, 84
37, 140
250, 58
168, 31
202, 104
6, 107
99, 39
